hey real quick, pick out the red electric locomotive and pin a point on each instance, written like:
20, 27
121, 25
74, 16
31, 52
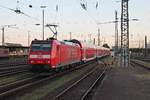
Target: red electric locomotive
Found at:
53, 54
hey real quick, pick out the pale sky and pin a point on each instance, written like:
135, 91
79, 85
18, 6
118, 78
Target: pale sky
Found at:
72, 18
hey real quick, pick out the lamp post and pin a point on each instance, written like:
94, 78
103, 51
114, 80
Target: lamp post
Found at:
43, 20
99, 37
70, 35
28, 38
3, 41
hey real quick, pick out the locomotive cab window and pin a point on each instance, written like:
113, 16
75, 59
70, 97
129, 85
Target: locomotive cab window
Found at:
40, 47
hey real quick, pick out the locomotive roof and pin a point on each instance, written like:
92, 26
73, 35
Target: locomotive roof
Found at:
68, 43
41, 41
62, 42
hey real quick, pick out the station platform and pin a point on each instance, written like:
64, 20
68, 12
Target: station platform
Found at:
131, 83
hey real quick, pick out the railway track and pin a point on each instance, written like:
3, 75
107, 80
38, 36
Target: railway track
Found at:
13, 88
144, 59
139, 64
8, 73
15, 78
81, 89
13, 70
13, 62
7, 87
3, 65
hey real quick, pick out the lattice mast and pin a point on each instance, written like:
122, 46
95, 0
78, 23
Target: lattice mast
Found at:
116, 33
124, 34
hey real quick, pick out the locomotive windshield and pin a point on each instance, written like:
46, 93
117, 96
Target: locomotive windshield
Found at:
40, 47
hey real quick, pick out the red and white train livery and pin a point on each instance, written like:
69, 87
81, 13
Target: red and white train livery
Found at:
57, 54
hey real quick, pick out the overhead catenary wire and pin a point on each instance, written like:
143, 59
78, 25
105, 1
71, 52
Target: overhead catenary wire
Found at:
84, 6
18, 11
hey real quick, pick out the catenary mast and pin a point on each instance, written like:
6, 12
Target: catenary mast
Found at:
124, 33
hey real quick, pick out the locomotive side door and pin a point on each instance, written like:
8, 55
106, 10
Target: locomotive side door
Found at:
59, 55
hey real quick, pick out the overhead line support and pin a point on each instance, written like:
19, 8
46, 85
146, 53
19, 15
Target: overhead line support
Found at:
124, 33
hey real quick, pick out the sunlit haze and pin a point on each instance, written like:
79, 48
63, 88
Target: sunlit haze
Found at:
71, 17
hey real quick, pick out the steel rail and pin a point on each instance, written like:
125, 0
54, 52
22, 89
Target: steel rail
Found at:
74, 84
13, 72
93, 85
140, 65
33, 83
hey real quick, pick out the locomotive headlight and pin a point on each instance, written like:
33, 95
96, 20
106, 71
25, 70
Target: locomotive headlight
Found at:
33, 56
46, 56
32, 61
48, 62
40, 56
